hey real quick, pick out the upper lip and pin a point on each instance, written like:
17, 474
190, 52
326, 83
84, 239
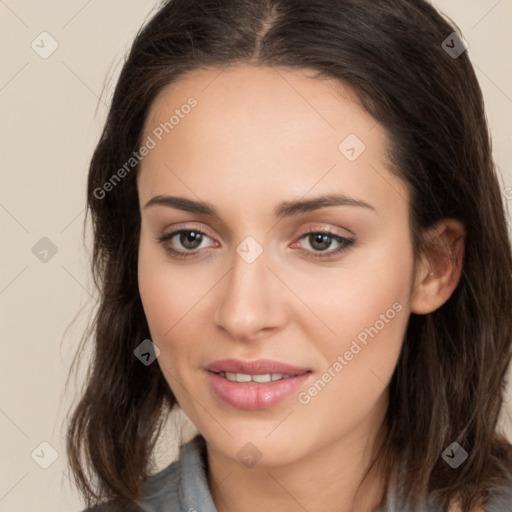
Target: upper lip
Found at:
257, 367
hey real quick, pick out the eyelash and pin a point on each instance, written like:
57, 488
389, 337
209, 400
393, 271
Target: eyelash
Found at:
345, 243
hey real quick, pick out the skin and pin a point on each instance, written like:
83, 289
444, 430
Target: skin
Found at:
260, 136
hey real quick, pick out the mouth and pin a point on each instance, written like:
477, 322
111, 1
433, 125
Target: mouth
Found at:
256, 384
260, 379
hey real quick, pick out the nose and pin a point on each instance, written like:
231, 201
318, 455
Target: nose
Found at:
252, 300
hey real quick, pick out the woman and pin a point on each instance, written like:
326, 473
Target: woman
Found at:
300, 240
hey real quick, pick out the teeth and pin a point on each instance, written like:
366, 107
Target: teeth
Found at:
243, 377
262, 378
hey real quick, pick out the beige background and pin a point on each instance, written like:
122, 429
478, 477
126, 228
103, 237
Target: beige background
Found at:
51, 113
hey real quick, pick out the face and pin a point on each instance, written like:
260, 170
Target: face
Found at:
245, 273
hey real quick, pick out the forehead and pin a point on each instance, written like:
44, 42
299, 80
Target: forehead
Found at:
288, 95
265, 129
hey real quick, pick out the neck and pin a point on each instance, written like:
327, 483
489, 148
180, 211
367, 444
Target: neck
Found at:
326, 479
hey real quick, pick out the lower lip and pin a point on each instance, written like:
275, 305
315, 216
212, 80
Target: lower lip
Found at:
253, 395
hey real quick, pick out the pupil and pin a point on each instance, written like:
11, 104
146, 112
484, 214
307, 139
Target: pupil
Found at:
189, 239
320, 238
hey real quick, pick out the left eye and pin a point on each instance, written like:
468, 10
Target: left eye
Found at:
320, 241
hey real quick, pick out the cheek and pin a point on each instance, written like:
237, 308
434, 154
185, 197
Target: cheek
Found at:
172, 297
365, 304
166, 300
374, 281
163, 290
358, 361
157, 297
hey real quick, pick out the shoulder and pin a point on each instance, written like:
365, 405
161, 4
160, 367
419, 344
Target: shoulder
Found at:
168, 490
499, 499
172, 488
160, 493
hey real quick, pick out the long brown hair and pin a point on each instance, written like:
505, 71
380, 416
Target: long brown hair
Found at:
449, 382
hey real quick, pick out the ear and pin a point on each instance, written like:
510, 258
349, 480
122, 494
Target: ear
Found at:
438, 272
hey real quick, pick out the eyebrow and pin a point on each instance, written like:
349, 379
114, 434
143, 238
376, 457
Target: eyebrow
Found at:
284, 209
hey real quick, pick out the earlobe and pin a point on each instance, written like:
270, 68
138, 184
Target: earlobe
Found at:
440, 269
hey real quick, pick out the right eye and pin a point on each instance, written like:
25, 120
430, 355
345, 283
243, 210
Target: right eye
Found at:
190, 241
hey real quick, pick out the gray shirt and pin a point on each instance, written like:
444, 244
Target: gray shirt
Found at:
183, 487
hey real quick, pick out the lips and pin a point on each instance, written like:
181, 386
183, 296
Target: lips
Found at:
256, 384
